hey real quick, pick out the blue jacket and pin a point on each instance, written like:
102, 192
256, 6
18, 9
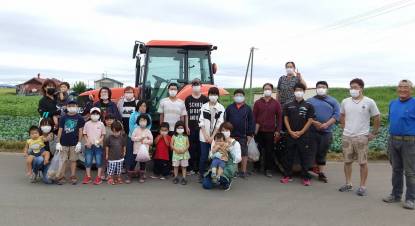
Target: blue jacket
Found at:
242, 120
133, 122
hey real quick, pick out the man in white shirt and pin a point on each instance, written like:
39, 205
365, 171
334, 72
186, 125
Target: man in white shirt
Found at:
355, 115
171, 108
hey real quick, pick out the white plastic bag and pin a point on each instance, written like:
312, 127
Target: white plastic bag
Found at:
253, 152
143, 154
54, 167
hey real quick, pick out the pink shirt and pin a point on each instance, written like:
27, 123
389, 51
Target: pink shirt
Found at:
94, 131
141, 136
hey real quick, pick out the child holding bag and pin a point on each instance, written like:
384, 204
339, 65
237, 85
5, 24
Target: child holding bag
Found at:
142, 139
181, 156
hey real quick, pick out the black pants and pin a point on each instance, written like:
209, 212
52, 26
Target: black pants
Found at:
161, 167
266, 148
300, 146
194, 150
320, 143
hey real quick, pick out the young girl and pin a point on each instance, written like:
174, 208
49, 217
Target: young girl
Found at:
115, 147
47, 135
162, 153
94, 132
141, 136
180, 147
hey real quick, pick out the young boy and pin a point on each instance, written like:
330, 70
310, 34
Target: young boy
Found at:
115, 148
298, 116
34, 147
62, 96
219, 155
69, 137
94, 132
161, 155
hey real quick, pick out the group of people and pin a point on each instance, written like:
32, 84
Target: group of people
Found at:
200, 136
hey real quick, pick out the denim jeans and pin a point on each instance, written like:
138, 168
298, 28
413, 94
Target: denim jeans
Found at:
92, 152
37, 165
204, 154
402, 156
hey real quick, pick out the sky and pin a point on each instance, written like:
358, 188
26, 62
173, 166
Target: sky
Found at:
328, 40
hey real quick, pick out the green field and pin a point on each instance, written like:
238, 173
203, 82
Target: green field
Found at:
17, 113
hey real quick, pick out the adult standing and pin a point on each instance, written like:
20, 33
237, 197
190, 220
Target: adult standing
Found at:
240, 115
287, 82
327, 113
193, 105
171, 108
106, 105
402, 145
355, 115
47, 107
210, 118
126, 106
268, 119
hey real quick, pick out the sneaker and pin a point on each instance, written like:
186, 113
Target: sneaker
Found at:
285, 180
213, 175
307, 182
391, 199
322, 177
345, 188
408, 204
33, 178
361, 192
162, 178
242, 175
154, 177
97, 181
268, 173
74, 180
229, 186
175, 180
86, 180
141, 180
184, 181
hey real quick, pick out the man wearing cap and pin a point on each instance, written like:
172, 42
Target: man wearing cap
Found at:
402, 145
193, 105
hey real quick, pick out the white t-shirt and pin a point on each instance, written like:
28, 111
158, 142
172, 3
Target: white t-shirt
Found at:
172, 111
357, 116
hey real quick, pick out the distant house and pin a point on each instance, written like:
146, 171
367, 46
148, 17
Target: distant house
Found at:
108, 82
33, 86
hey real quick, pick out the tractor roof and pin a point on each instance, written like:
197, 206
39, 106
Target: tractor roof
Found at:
170, 43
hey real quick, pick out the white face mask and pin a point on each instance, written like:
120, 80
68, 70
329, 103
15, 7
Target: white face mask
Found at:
196, 89
290, 71
354, 93
238, 99
129, 96
172, 93
143, 124
213, 98
299, 94
267, 93
321, 91
227, 134
46, 129
104, 96
163, 132
94, 117
180, 131
72, 109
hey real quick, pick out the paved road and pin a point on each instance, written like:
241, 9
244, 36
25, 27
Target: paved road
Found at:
255, 201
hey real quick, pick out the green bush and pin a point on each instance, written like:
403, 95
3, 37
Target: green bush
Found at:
14, 128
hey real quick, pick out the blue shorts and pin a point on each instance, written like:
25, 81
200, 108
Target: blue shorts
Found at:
216, 162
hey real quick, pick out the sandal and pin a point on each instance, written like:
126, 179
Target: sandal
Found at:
74, 180
110, 181
120, 181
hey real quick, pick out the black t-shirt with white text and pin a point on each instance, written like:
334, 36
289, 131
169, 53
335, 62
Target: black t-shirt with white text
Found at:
193, 106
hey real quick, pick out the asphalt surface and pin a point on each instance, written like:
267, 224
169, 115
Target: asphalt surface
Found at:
255, 201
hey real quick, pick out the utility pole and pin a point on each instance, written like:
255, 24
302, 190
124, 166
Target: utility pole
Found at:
250, 67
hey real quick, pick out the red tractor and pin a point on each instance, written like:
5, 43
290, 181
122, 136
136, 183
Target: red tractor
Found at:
160, 62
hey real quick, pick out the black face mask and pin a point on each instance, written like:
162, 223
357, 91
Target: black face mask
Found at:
50, 91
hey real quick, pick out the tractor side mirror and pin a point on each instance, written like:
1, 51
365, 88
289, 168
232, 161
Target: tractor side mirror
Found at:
142, 49
135, 50
214, 68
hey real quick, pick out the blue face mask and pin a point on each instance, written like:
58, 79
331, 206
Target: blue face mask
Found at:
239, 99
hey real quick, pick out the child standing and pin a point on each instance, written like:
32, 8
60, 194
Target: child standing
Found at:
180, 147
62, 96
219, 155
69, 137
115, 148
35, 147
141, 136
161, 155
94, 132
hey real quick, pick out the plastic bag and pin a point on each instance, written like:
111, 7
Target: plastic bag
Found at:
54, 167
253, 152
143, 154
